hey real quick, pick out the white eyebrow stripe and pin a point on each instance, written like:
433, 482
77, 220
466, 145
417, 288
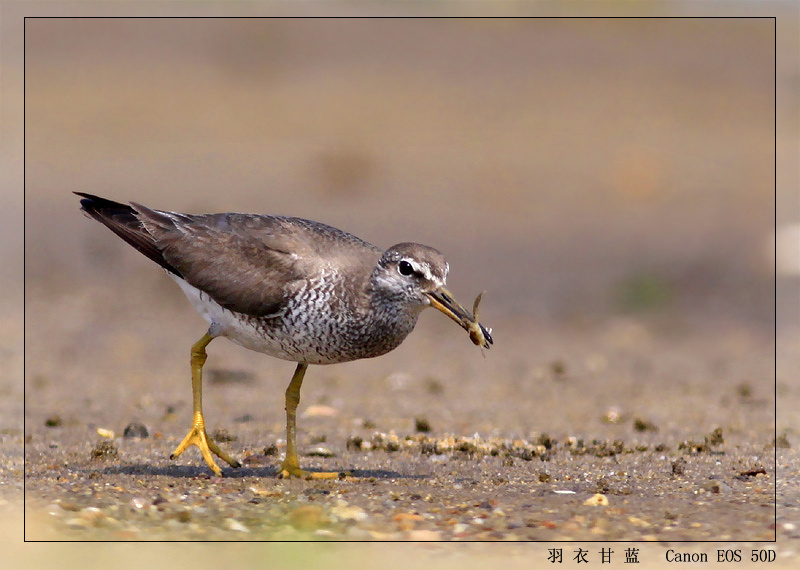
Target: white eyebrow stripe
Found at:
424, 268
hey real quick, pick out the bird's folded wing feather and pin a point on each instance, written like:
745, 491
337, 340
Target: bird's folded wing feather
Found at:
245, 263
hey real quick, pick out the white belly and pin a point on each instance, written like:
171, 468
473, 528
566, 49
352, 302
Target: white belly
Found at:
293, 342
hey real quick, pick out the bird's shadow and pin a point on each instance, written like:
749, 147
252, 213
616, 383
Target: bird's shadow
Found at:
201, 472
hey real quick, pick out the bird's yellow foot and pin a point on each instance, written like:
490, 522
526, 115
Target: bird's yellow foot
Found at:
198, 436
289, 469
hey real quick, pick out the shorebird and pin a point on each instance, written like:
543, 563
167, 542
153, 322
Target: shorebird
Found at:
287, 287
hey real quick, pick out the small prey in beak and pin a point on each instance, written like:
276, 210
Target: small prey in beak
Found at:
441, 299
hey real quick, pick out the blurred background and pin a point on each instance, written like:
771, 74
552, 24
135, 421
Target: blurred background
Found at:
572, 168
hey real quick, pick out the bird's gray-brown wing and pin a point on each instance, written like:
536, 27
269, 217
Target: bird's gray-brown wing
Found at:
246, 263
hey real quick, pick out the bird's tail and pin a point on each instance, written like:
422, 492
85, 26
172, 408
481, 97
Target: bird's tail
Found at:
123, 220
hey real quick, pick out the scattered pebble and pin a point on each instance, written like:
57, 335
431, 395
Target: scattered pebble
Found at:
235, 526
105, 450
307, 517
643, 425
422, 425
781, 442
716, 486
558, 369
613, 415
138, 503
107, 433
596, 500
349, 513
53, 421
264, 492
460, 529
320, 451
319, 411
223, 436
135, 430
424, 535
753, 472
407, 521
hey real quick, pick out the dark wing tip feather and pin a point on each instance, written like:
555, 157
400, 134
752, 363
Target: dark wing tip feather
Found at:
122, 219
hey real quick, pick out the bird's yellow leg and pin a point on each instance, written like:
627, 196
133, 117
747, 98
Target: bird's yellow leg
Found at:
197, 435
290, 466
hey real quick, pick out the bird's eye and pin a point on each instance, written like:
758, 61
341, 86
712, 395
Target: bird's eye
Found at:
405, 268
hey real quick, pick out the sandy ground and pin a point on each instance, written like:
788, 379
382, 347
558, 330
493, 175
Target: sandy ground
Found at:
609, 183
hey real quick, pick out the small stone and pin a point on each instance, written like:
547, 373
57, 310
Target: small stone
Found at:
422, 425
460, 528
264, 492
349, 513
105, 450
558, 369
319, 411
354, 443
781, 442
107, 433
53, 421
643, 425
223, 436
183, 516
613, 415
138, 503
320, 451
68, 505
92, 517
715, 437
424, 535
407, 521
135, 430
76, 523
307, 517
235, 526
597, 500
716, 486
